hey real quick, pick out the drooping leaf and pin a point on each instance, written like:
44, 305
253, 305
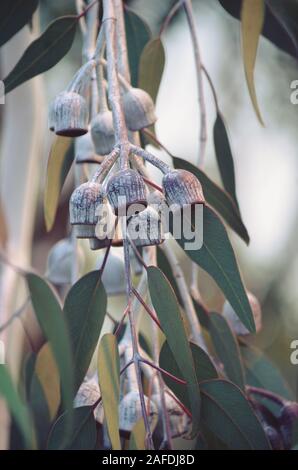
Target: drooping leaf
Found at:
14, 15
53, 325
138, 436
168, 311
276, 26
137, 34
224, 157
165, 267
15, 405
85, 308
40, 411
202, 314
217, 258
151, 67
43, 53
204, 368
109, 383
217, 198
252, 21
229, 415
227, 348
260, 372
48, 375
84, 433
59, 163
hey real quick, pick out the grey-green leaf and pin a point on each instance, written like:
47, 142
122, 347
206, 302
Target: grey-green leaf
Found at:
227, 348
14, 15
84, 433
53, 325
224, 157
217, 258
217, 198
15, 405
43, 53
229, 415
168, 311
85, 309
137, 34
151, 67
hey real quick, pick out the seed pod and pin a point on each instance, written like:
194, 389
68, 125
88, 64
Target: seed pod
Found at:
178, 420
157, 201
83, 206
85, 151
236, 324
102, 131
113, 277
145, 229
125, 188
130, 411
182, 188
139, 109
51, 118
69, 114
87, 395
60, 260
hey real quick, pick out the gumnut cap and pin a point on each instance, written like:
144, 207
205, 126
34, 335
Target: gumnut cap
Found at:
102, 132
145, 228
125, 188
139, 109
130, 411
182, 188
69, 115
234, 321
83, 206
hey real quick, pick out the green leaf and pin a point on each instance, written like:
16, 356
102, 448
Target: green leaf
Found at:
217, 258
138, 436
43, 53
252, 21
84, 433
229, 415
137, 34
46, 371
165, 267
168, 311
202, 314
224, 157
53, 325
59, 163
227, 348
109, 383
261, 373
204, 368
40, 411
14, 15
85, 309
15, 405
217, 198
151, 67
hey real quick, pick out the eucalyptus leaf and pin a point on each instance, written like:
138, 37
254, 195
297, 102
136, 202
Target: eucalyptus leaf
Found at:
53, 325
15, 405
43, 53
85, 309
40, 411
138, 436
14, 15
224, 157
151, 67
59, 163
84, 433
47, 373
229, 415
217, 198
168, 311
108, 366
137, 35
252, 21
217, 258
227, 348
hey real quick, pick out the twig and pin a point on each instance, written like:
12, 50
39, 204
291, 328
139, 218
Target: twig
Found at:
15, 315
121, 41
214, 94
147, 308
170, 16
163, 371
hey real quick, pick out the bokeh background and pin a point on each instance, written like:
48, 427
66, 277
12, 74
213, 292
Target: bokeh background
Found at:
266, 158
